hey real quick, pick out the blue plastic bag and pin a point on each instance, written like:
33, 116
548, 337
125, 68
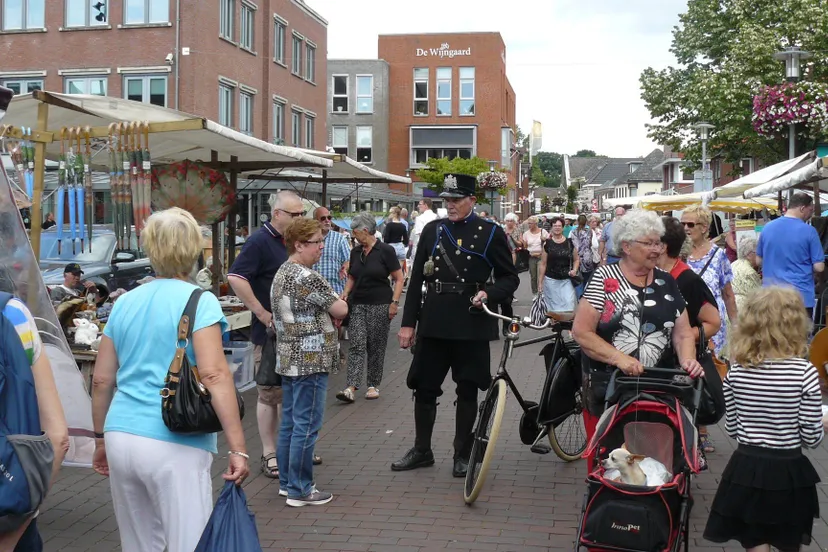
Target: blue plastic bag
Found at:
232, 526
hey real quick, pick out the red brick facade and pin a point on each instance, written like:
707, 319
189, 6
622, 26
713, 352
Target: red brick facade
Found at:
116, 50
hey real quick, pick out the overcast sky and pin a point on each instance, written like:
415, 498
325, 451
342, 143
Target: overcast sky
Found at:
574, 64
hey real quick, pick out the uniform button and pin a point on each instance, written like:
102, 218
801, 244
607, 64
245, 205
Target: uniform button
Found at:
468, 257
472, 246
437, 258
475, 236
457, 252
437, 268
462, 280
479, 228
465, 270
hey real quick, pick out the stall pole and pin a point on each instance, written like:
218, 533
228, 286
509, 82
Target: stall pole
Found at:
324, 188
216, 242
39, 175
817, 206
231, 224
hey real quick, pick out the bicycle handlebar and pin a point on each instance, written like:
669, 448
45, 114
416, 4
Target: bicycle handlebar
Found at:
526, 323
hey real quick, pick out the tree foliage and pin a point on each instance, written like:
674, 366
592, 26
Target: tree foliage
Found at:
586, 153
546, 204
571, 198
437, 169
724, 50
550, 165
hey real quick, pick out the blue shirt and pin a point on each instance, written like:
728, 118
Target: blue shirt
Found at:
789, 249
143, 327
606, 236
335, 254
262, 255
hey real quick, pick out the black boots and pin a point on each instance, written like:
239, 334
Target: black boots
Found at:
420, 456
464, 437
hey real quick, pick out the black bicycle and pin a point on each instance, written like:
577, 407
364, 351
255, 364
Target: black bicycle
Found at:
557, 416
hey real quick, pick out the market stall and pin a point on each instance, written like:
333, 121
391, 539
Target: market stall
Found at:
682, 201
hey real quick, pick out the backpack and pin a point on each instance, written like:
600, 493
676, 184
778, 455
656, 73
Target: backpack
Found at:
26, 454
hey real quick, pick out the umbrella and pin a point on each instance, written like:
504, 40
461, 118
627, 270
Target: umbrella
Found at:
70, 185
60, 189
29, 150
134, 138
123, 171
146, 177
194, 187
80, 175
113, 181
90, 198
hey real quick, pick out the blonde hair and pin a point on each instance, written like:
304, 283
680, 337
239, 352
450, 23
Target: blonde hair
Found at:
300, 230
395, 211
702, 214
172, 240
773, 323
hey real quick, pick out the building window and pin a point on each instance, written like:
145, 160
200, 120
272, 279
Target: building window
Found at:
688, 176
296, 129
421, 91
279, 123
247, 24
246, 113
747, 166
506, 140
365, 94
226, 105
24, 14
144, 12
444, 91
297, 55
227, 18
339, 140
310, 63
86, 13
438, 142
365, 139
151, 89
95, 86
309, 134
467, 91
340, 93
23, 86
279, 35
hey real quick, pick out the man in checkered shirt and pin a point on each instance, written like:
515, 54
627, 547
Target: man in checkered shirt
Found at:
333, 265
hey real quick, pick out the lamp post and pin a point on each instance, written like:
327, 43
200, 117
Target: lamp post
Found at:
704, 129
792, 56
491, 194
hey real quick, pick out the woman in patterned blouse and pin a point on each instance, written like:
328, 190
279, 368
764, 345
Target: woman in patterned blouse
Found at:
307, 349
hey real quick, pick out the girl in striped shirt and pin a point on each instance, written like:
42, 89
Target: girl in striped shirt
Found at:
767, 495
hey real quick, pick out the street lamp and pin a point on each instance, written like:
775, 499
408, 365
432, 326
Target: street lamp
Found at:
704, 129
792, 56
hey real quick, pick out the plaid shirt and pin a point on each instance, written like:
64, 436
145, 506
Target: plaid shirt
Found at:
335, 254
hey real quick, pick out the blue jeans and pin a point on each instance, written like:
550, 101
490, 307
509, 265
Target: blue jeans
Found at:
30, 541
303, 406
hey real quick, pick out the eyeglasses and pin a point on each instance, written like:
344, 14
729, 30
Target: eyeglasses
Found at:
329, 217
315, 242
293, 215
689, 224
651, 245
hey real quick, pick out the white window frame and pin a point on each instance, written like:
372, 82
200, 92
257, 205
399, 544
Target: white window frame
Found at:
346, 95
279, 39
24, 16
412, 149
23, 84
146, 81
227, 19
279, 110
247, 26
310, 62
751, 165
444, 99
468, 80
310, 131
86, 79
338, 145
370, 147
296, 54
246, 113
226, 104
147, 20
364, 96
421, 100
88, 19
296, 128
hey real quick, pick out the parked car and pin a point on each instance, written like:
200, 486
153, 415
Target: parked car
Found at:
103, 263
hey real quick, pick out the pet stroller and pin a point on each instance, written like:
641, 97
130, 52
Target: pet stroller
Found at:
653, 416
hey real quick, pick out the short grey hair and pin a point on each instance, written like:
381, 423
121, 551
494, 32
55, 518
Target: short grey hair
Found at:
746, 246
364, 221
633, 226
278, 199
592, 217
511, 216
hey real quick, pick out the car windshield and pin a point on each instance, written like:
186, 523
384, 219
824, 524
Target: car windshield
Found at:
101, 250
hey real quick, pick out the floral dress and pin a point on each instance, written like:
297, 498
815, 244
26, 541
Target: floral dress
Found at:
718, 274
583, 241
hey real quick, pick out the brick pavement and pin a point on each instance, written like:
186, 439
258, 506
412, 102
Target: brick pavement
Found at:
530, 502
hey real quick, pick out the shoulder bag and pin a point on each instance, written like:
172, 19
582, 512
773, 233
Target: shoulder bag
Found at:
347, 320
711, 407
186, 404
578, 279
266, 375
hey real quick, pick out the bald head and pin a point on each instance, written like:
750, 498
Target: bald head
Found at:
285, 206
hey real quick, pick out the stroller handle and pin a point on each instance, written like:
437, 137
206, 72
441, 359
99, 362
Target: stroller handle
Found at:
621, 384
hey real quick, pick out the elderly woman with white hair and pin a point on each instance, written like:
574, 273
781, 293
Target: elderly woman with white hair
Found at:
632, 315
373, 304
160, 480
746, 278
513, 235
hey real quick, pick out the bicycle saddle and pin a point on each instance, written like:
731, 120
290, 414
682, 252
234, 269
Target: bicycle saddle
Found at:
561, 316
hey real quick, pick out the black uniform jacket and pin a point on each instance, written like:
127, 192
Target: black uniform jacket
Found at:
446, 315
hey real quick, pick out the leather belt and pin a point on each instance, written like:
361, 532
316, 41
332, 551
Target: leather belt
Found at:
452, 287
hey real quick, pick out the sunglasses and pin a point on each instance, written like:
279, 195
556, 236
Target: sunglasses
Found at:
329, 217
293, 215
689, 224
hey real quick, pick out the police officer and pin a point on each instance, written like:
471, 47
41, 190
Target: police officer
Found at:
455, 258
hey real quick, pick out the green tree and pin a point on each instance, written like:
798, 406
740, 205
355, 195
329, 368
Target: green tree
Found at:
724, 50
537, 174
586, 153
546, 204
436, 170
551, 165
571, 197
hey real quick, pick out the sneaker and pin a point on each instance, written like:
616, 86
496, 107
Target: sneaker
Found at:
283, 492
316, 498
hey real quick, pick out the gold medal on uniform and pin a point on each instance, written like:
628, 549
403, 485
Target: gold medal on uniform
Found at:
428, 267
459, 243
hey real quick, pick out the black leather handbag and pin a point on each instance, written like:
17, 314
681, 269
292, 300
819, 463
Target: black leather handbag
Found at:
711, 405
186, 404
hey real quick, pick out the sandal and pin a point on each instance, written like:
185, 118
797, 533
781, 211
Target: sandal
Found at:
270, 471
346, 395
706, 444
317, 460
372, 394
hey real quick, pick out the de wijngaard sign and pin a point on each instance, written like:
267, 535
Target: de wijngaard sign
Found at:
444, 51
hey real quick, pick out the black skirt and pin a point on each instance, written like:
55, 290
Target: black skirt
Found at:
766, 496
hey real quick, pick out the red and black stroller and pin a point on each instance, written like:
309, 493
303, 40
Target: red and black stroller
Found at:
653, 416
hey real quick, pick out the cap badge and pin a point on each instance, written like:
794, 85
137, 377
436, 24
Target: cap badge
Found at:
450, 182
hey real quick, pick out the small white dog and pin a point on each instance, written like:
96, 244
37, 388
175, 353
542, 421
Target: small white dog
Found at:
86, 332
628, 466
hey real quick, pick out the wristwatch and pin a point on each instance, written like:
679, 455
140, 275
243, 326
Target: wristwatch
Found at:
396, 302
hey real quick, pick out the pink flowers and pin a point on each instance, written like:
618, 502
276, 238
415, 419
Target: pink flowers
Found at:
493, 180
609, 310
804, 104
611, 285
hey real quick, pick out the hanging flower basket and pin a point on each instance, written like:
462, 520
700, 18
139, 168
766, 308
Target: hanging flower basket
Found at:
804, 104
493, 180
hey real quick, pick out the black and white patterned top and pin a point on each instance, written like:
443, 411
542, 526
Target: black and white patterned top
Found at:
777, 404
638, 321
306, 339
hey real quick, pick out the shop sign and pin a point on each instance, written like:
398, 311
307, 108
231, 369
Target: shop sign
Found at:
444, 51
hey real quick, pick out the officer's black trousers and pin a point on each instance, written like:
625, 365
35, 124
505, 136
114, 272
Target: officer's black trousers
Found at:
469, 362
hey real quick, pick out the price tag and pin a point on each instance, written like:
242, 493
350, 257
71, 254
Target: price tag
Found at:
135, 170
147, 165
126, 165
62, 165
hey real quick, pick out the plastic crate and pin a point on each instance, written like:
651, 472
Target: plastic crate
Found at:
239, 356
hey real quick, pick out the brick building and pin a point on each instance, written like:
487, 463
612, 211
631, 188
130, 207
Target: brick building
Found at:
449, 97
258, 66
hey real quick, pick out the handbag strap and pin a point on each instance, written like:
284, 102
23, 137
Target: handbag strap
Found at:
361, 274
710, 260
185, 330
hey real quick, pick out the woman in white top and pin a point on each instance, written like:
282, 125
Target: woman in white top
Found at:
533, 240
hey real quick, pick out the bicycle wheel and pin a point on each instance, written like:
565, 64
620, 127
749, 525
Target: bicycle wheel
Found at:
485, 437
568, 436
